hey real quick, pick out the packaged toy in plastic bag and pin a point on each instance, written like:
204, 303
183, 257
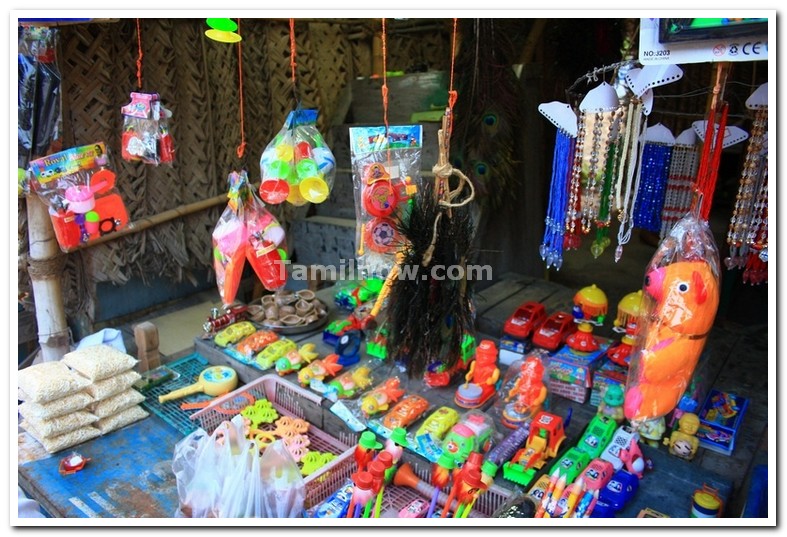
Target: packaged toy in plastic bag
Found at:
524, 391
247, 231
386, 174
146, 135
680, 298
78, 186
297, 165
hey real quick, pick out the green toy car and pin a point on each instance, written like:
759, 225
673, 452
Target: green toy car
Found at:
278, 349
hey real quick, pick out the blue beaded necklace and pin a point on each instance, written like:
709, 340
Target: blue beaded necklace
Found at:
551, 249
650, 198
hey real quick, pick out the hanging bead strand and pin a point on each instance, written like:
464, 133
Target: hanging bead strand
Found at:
571, 239
551, 249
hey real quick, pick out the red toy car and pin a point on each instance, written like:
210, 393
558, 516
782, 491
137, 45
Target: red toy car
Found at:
525, 320
554, 331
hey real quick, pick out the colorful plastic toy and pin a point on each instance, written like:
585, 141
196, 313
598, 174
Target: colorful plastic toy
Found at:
380, 398
620, 353
266, 359
590, 305
503, 451
686, 295
406, 412
582, 340
629, 311
543, 443
633, 459
620, 440
684, 443
218, 321
527, 318
473, 433
375, 345
295, 360
335, 506
250, 345
597, 435
597, 474
484, 374
355, 321
652, 431
527, 395
349, 298
438, 423
319, 370
553, 333
437, 376
234, 333
571, 464
415, 509
612, 403
613, 497
349, 383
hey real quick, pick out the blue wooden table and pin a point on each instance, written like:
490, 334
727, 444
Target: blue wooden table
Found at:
129, 475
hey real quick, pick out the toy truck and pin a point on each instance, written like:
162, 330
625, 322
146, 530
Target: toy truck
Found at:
543, 443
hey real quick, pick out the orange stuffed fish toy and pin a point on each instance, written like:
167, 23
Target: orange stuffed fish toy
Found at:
684, 297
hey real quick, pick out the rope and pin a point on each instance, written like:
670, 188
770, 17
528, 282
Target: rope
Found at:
452, 95
292, 59
385, 78
139, 57
46, 269
242, 147
445, 171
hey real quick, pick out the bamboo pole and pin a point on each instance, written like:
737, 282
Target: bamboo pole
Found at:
45, 282
160, 218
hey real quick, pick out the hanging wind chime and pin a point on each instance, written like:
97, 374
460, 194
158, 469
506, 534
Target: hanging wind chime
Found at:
656, 160
747, 236
429, 318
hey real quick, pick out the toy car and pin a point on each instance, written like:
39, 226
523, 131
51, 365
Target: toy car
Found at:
234, 333
405, 412
554, 331
597, 474
256, 342
543, 442
415, 509
616, 494
438, 423
278, 349
571, 464
527, 318
621, 440
597, 435
472, 434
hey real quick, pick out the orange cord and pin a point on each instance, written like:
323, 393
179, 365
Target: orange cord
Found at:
452, 95
242, 147
139, 57
385, 79
292, 50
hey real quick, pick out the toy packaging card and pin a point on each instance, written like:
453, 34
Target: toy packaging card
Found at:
720, 421
146, 135
571, 372
78, 186
386, 174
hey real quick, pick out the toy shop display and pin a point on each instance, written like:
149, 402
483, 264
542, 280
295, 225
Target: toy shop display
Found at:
246, 231
297, 166
78, 187
146, 132
681, 293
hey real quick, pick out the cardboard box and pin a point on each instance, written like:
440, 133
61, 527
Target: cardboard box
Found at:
571, 372
605, 375
720, 420
512, 349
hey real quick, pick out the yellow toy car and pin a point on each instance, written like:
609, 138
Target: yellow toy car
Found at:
438, 423
234, 333
278, 349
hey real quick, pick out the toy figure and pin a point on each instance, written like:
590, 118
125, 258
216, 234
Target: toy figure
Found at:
633, 459
683, 443
651, 431
686, 295
350, 383
294, 360
484, 374
530, 393
327, 367
612, 404
379, 399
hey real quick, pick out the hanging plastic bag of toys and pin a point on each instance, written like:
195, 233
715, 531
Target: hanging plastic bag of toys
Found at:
146, 135
680, 299
386, 174
229, 238
297, 166
266, 248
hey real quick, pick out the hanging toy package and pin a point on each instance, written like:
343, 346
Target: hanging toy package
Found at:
386, 175
246, 230
680, 299
78, 186
146, 135
297, 166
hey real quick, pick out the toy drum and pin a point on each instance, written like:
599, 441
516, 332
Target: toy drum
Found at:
706, 503
468, 392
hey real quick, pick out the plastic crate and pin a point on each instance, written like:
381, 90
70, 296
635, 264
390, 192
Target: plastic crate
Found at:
295, 402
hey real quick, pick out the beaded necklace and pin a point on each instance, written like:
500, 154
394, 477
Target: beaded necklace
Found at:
608, 195
756, 271
680, 186
551, 249
655, 166
627, 199
571, 239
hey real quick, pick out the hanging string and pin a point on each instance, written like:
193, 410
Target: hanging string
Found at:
242, 147
139, 56
385, 79
709, 167
452, 95
292, 59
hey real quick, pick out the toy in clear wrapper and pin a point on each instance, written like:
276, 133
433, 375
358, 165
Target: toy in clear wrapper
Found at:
297, 166
247, 231
146, 135
524, 395
680, 299
386, 174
